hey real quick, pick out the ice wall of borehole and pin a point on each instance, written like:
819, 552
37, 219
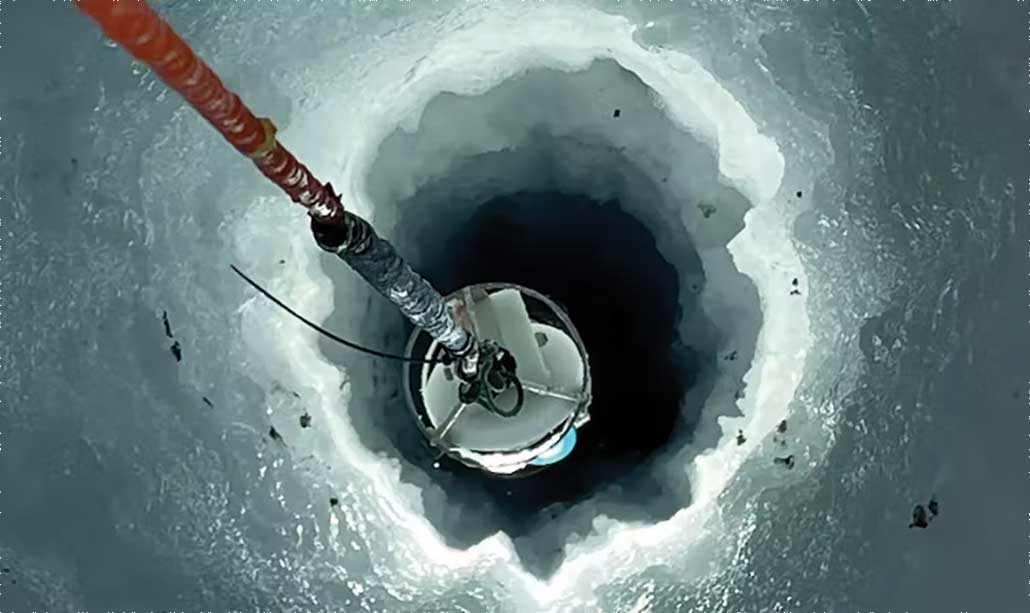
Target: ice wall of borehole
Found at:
471, 61
596, 133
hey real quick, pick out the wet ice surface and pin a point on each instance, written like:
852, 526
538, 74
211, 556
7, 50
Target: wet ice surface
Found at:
124, 488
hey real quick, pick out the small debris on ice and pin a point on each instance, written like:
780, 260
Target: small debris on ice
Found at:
919, 517
168, 326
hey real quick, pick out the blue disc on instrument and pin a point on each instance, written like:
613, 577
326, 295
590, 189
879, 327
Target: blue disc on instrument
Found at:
559, 452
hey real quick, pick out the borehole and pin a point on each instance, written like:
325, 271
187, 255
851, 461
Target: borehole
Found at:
599, 221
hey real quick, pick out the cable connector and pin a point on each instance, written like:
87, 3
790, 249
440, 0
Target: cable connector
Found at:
495, 374
332, 237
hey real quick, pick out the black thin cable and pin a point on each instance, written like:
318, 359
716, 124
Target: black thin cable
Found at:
326, 332
520, 397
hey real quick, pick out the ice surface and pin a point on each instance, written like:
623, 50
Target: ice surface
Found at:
810, 127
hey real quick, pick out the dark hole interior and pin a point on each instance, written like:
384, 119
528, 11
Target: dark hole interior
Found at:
602, 265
